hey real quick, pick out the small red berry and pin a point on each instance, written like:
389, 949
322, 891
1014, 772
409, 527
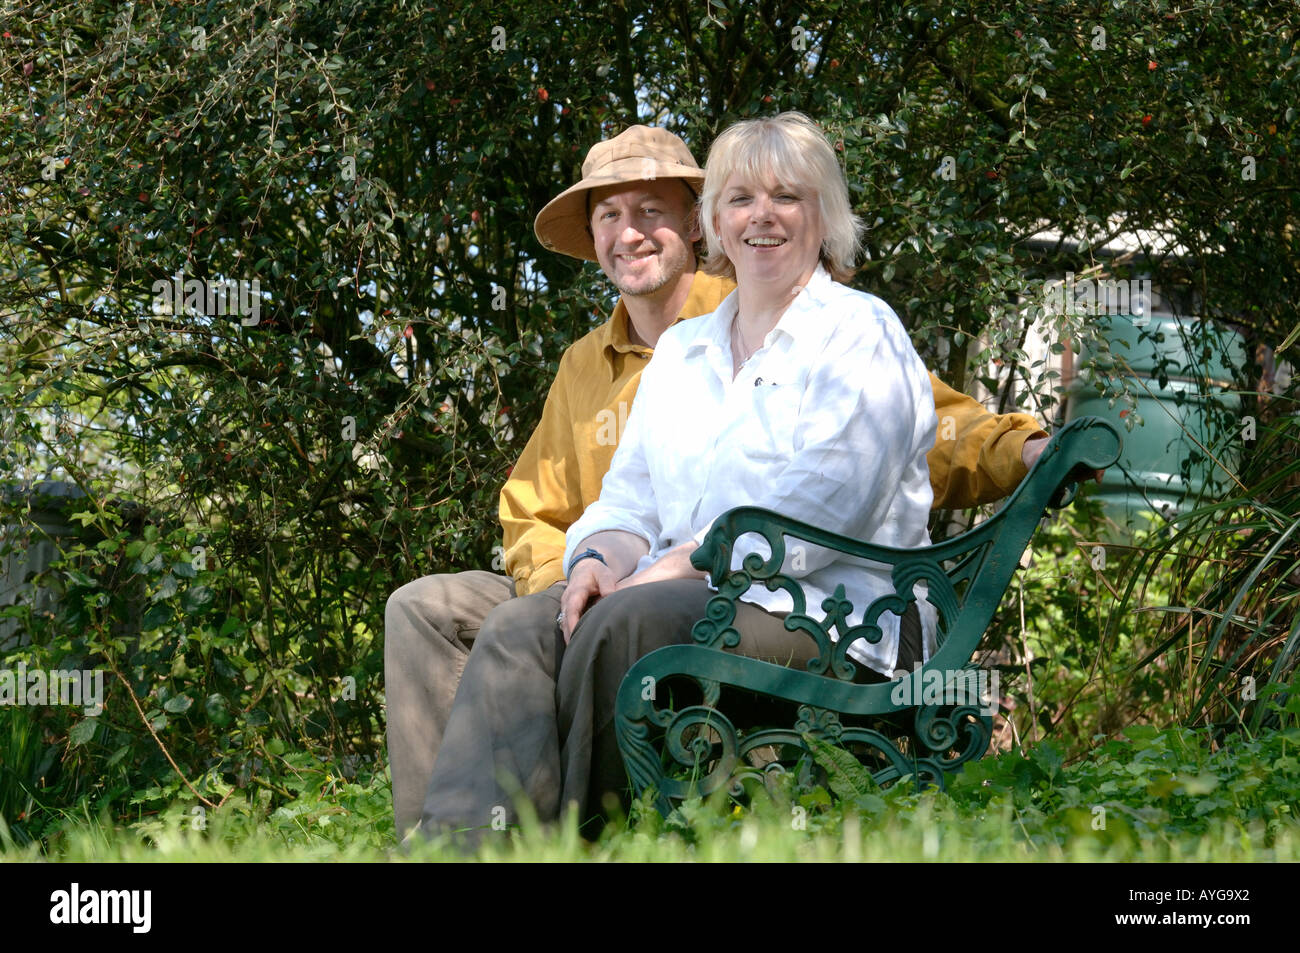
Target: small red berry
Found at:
474, 215
1152, 65
1146, 120
542, 94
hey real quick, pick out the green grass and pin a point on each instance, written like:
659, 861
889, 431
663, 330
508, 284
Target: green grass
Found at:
1164, 796
929, 831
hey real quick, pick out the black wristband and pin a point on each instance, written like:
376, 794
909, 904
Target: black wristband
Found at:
585, 554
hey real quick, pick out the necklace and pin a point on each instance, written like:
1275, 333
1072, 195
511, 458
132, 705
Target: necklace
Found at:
745, 349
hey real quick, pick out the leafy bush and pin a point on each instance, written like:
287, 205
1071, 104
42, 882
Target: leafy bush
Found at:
375, 168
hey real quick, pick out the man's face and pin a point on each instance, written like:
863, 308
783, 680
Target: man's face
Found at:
644, 234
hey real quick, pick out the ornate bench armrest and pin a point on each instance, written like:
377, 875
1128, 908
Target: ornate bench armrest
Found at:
1087, 442
966, 575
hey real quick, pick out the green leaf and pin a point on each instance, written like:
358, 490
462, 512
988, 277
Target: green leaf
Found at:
196, 598
217, 710
155, 617
167, 587
846, 775
1198, 784
1290, 339
1049, 758
83, 731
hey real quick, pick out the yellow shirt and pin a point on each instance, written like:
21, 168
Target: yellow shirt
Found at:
976, 457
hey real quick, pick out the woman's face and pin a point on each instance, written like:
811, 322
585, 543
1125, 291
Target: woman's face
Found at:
772, 233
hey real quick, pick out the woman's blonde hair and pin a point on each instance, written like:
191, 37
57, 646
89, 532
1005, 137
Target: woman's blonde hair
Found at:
792, 150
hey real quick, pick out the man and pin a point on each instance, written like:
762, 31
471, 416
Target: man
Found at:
633, 212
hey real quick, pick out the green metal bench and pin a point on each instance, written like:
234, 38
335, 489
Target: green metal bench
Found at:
966, 577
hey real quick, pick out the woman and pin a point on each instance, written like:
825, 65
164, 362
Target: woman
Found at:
798, 394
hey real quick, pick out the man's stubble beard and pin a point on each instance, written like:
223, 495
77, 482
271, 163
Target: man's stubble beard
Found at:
668, 273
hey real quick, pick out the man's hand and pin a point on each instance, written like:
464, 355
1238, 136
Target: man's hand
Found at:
674, 564
1033, 449
591, 580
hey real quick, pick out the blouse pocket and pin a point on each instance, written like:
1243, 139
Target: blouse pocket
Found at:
769, 429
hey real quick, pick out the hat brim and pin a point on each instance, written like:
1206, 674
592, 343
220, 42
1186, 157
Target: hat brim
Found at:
562, 225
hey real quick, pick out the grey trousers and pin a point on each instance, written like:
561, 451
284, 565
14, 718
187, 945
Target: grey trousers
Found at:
534, 720
429, 626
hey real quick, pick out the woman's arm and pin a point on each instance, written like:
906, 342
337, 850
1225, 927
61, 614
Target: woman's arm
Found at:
675, 563
592, 579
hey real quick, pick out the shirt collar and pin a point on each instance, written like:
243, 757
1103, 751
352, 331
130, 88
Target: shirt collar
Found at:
706, 294
793, 322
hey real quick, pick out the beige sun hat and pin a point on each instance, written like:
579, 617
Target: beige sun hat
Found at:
638, 154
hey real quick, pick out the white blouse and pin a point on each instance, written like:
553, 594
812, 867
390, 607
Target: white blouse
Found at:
829, 422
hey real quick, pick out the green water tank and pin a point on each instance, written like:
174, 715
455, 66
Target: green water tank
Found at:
1183, 372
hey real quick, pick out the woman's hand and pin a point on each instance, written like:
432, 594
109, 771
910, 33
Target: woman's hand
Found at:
591, 580
674, 564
